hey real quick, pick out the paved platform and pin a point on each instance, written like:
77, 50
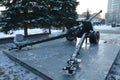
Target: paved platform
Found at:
49, 58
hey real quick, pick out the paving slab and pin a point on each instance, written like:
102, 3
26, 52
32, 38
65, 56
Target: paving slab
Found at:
49, 58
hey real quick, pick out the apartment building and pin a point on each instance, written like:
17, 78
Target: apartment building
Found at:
113, 12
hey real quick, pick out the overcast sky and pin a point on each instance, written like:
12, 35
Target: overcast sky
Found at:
92, 5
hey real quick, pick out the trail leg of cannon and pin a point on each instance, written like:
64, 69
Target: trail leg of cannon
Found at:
38, 41
73, 62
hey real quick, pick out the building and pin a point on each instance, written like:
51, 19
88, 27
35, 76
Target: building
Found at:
113, 12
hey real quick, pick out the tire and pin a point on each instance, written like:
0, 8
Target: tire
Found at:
94, 37
70, 35
70, 38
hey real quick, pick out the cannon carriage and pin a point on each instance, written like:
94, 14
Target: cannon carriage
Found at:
78, 31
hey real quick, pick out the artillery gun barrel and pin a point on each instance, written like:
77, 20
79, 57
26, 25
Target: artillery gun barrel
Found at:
91, 18
94, 16
43, 40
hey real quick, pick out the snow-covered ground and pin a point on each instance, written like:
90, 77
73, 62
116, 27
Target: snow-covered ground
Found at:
10, 70
37, 30
106, 27
30, 31
115, 70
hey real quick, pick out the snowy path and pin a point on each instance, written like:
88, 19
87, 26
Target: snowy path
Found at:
114, 73
30, 32
9, 70
106, 27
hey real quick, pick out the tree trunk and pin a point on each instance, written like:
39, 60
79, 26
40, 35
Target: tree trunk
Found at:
63, 29
25, 30
50, 30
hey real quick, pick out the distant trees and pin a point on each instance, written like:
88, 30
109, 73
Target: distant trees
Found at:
24, 14
88, 14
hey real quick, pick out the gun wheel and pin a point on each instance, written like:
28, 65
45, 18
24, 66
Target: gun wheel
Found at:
94, 37
70, 38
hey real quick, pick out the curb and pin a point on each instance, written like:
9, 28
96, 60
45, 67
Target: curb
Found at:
106, 78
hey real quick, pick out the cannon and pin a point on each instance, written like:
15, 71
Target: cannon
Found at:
83, 31
84, 28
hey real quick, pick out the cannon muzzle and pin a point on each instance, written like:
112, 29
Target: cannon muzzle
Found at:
94, 15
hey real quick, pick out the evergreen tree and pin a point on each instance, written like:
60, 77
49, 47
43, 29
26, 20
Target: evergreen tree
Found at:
24, 14
88, 14
63, 12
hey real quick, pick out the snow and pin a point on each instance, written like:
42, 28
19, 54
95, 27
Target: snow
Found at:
30, 31
40, 18
55, 33
106, 27
115, 70
38, 30
10, 70
55, 8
